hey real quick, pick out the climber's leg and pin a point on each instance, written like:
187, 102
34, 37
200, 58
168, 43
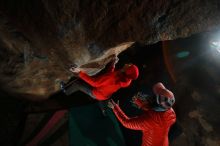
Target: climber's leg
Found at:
78, 85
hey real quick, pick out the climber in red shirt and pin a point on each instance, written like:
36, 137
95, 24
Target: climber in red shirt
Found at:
103, 86
157, 117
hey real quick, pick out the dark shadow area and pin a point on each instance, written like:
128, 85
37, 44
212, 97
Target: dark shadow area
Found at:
60, 101
12, 119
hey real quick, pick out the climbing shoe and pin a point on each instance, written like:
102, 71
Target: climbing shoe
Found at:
62, 86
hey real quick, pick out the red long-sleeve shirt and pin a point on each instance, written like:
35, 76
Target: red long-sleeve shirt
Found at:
105, 85
154, 125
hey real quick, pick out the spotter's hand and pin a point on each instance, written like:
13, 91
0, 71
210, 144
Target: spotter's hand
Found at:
112, 104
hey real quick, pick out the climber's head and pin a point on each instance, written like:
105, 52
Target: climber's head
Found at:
131, 71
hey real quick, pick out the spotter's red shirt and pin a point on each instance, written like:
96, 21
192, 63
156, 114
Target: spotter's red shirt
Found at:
154, 125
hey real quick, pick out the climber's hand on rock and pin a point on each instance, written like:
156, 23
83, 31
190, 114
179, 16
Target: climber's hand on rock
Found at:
75, 71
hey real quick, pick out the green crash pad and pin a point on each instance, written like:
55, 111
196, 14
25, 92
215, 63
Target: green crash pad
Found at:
89, 127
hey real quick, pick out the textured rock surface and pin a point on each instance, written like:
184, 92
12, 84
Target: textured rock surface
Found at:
40, 39
197, 83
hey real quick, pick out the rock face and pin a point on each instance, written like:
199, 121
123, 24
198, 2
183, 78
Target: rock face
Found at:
196, 77
39, 40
